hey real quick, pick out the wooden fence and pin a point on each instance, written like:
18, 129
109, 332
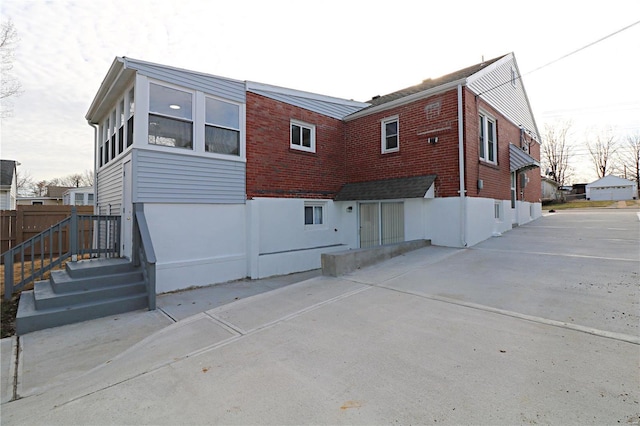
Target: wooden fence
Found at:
17, 226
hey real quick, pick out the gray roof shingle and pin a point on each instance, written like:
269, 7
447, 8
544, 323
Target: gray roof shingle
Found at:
6, 172
387, 189
431, 83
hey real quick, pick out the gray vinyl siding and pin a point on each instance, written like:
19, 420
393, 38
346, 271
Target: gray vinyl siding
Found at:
162, 177
233, 90
110, 189
495, 87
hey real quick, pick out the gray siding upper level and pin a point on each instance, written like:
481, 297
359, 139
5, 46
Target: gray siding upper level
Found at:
220, 86
109, 189
494, 86
162, 177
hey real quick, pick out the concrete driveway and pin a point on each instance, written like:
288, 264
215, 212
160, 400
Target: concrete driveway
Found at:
537, 326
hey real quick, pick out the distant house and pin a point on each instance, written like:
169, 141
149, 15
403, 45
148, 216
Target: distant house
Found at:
550, 190
239, 178
612, 188
52, 197
81, 196
8, 185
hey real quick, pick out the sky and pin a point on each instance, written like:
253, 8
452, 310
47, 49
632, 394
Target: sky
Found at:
349, 49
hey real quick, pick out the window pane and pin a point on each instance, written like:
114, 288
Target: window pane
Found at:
90, 198
221, 141
222, 113
481, 131
490, 140
317, 217
169, 132
306, 137
79, 199
308, 215
391, 129
167, 101
131, 102
295, 134
130, 131
113, 146
121, 116
392, 142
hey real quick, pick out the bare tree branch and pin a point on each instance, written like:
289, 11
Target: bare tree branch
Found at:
9, 85
557, 151
602, 150
629, 155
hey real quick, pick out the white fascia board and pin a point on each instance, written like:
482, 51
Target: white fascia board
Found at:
135, 64
407, 99
252, 85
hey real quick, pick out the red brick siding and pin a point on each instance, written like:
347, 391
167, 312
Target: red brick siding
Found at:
276, 170
496, 177
416, 156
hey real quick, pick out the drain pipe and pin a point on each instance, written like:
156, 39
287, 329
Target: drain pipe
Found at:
463, 197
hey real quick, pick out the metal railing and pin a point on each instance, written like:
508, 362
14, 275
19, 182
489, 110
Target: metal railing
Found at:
76, 236
143, 253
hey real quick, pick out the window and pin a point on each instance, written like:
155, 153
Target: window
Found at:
90, 199
487, 131
497, 211
390, 140
222, 127
121, 121
303, 136
112, 132
170, 117
79, 199
313, 214
130, 120
106, 141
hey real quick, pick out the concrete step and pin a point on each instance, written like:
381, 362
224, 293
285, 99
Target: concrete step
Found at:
94, 267
30, 319
46, 297
62, 282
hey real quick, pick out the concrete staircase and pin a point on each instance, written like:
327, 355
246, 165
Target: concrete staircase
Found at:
85, 290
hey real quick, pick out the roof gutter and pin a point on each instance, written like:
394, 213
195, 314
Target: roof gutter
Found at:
463, 198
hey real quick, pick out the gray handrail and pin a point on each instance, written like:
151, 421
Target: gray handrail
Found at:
143, 252
50, 243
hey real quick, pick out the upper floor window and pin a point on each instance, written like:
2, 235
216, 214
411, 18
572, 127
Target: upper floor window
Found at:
131, 108
390, 135
222, 127
488, 141
170, 117
303, 136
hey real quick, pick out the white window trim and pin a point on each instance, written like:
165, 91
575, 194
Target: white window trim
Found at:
383, 134
488, 117
301, 124
320, 204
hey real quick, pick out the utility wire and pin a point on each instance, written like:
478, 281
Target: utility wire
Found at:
563, 57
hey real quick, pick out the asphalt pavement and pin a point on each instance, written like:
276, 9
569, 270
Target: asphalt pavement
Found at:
538, 326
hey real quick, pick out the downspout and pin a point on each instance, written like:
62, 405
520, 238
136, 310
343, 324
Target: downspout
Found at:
463, 199
95, 166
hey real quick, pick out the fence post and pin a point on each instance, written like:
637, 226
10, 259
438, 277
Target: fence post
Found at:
8, 275
73, 234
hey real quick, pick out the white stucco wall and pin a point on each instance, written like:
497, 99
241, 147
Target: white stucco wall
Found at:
197, 244
443, 217
279, 241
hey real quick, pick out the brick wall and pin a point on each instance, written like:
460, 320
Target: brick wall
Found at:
435, 116
276, 170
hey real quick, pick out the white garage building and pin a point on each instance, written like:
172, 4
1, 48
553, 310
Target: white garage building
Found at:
612, 188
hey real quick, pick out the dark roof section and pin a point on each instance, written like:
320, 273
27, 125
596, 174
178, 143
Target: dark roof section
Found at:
431, 83
387, 189
519, 160
57, 191
6, 172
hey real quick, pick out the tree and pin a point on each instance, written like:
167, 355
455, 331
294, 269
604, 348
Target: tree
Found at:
629, 154
24, 183
556, 151
9, 86
603, 150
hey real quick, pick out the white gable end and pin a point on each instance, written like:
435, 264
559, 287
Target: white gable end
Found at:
500, 85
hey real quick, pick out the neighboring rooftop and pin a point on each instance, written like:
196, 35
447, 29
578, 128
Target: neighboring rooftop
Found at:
7, 167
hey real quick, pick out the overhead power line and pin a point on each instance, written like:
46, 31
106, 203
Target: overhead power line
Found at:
563, 57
